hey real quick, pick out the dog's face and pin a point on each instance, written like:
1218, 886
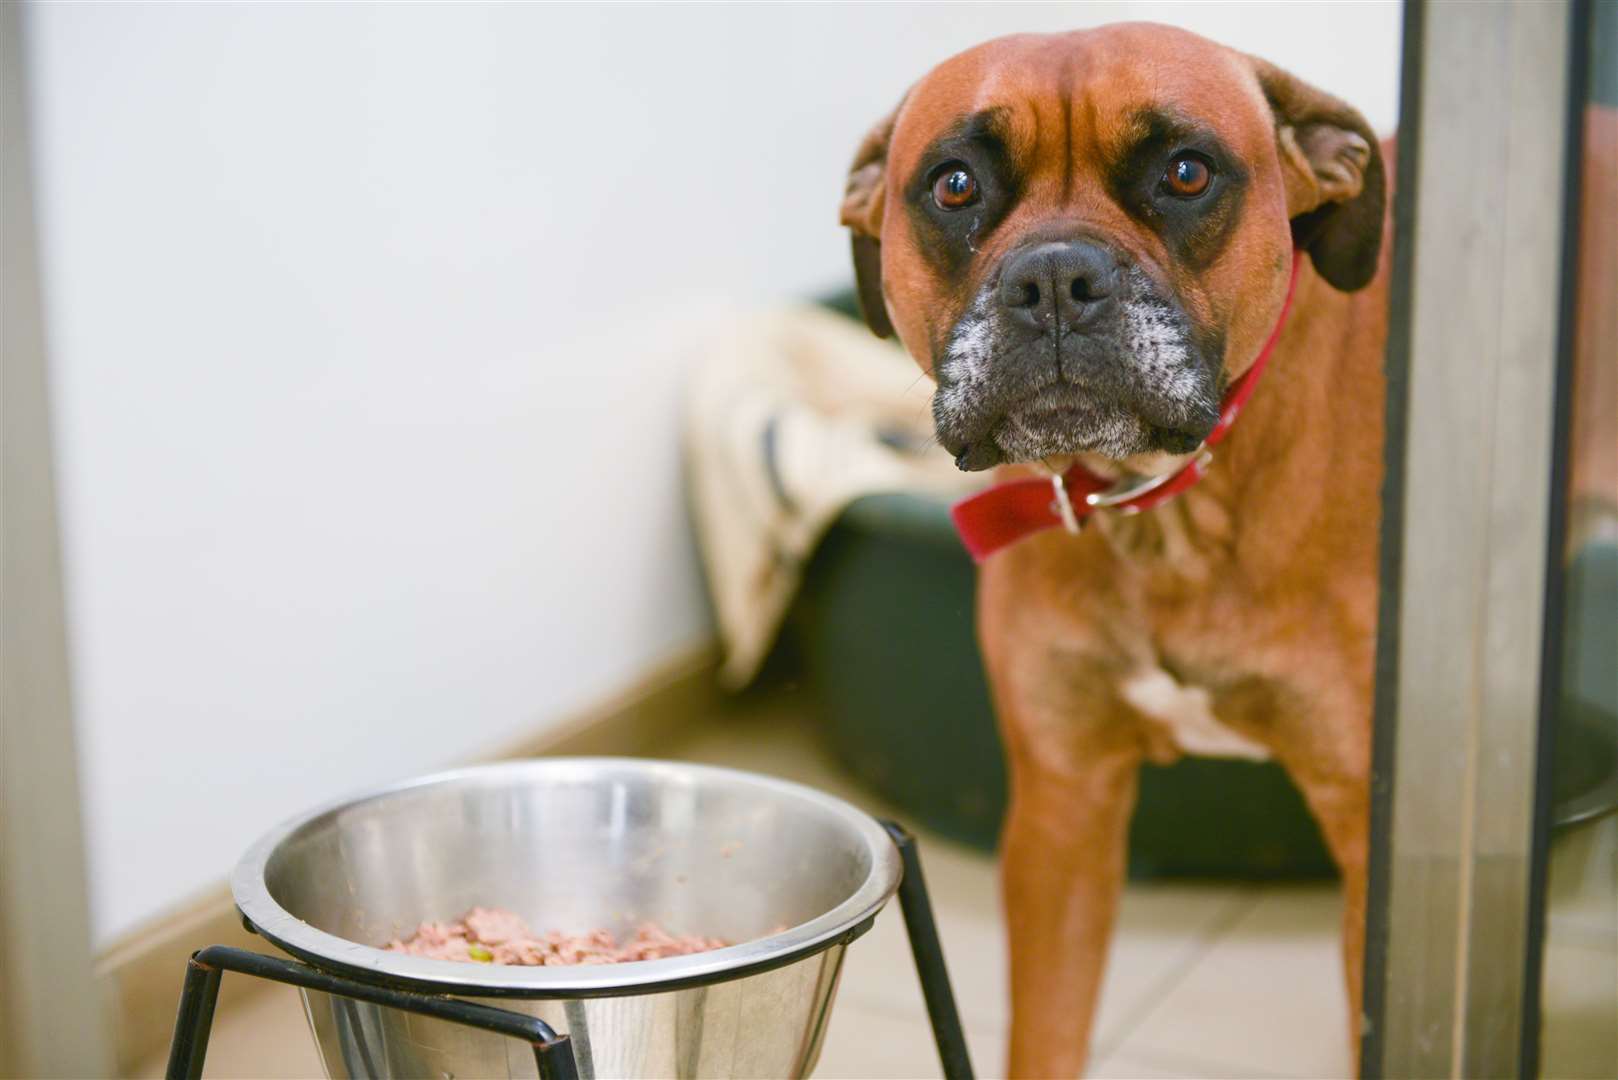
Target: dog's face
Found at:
1083, 237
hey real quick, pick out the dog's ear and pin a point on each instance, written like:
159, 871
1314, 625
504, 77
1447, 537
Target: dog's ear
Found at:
1336, 190
862, 213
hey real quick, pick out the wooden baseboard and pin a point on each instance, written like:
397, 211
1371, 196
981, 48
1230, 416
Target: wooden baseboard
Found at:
143, 969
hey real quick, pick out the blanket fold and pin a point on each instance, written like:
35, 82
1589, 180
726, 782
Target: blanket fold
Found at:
791, 415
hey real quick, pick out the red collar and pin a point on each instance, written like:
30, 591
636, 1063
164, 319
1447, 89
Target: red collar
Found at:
1005, 513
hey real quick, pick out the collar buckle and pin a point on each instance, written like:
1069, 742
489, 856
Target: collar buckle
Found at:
1129, 488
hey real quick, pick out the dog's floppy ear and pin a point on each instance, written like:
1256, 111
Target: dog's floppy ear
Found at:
862, 213
1336, 191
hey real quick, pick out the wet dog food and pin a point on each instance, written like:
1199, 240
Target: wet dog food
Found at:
497, 936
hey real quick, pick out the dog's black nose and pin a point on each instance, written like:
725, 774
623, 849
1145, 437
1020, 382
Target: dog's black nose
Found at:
1070, 281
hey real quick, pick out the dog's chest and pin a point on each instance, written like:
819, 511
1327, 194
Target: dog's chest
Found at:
1185, 715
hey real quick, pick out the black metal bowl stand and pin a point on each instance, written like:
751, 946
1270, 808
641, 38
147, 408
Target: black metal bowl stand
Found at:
553, 1053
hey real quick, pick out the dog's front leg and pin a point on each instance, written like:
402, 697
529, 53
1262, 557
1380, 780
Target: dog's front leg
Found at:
1074, 750
1334, 775
1074, 757
1062, 870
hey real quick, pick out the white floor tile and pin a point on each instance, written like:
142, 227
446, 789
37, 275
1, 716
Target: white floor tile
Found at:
1125, 1066
865, 1042
1582, 885
1267, 997
1579, 1033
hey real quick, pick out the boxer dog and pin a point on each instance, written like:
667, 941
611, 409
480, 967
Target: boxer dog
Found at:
1087, 240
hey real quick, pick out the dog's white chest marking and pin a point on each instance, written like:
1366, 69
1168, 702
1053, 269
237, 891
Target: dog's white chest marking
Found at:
1186, 712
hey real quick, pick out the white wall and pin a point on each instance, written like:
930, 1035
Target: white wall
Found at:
366, 428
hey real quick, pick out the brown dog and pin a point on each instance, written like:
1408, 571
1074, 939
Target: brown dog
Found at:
1085, 238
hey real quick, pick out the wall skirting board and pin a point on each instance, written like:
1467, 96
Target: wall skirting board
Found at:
143, 969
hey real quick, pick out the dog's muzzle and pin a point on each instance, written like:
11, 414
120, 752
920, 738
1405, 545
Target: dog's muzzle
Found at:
1066, 350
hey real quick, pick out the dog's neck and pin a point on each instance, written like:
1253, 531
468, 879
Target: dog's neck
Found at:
1269, 467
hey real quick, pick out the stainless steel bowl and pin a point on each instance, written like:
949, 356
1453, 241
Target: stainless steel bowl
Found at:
790, 874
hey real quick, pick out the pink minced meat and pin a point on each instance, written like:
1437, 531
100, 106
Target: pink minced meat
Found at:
497, 936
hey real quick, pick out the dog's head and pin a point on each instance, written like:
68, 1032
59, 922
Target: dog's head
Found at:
1084, 236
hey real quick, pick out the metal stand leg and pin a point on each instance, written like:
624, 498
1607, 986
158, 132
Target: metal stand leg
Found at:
929, 957
552, 1052
195, 1022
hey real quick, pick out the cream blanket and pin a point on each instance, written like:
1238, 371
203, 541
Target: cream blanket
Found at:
791, 415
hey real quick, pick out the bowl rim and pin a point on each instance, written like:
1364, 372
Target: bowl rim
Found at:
850, 918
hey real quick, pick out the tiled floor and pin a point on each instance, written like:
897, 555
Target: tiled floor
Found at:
1205, 980
1580, 1031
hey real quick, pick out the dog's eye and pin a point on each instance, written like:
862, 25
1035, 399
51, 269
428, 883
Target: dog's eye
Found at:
955, 187
1188, 176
